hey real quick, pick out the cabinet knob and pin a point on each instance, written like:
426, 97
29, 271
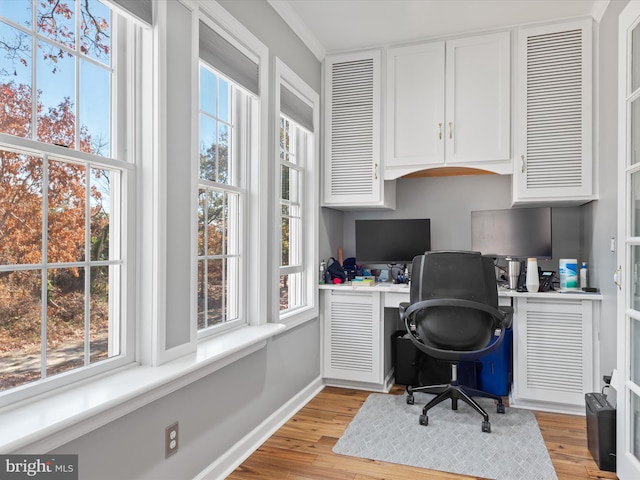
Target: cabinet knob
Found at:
523, 168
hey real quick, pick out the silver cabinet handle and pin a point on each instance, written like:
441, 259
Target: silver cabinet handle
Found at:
375, 173
524, 164
450, 130
440, 131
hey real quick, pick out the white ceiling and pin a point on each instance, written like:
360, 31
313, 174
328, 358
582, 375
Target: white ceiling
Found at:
336, 25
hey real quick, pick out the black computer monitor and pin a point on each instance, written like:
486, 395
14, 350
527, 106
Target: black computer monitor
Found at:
394, 241
512, 233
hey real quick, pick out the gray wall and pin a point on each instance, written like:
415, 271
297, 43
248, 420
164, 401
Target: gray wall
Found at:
214, 413
604, 211
448, 202
220, 409
178, 179
331, 233
265, 23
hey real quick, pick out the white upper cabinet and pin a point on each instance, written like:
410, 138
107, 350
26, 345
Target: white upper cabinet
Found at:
353, 172
448, 104
415, 108
553, 144
478, 95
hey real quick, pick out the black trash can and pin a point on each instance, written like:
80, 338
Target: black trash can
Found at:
412, 367
405, 358
601, 430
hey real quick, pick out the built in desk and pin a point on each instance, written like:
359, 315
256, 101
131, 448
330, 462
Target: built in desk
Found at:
556, 353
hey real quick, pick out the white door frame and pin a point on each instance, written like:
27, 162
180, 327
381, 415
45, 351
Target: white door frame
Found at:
628, 464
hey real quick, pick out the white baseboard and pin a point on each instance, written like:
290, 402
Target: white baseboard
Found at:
544, 406
371, 387
239, 452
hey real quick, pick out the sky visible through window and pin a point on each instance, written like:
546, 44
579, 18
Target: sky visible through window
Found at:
55, 77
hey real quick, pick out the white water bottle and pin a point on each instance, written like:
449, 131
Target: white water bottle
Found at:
583, 275
533, 281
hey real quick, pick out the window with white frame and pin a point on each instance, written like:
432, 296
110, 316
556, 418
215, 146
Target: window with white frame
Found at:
63, 194
293, 157
297, 195
220, 196
226, 139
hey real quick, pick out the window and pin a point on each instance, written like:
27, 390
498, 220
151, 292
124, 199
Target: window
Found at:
293, 157
63, 195
62, 53
229, 184
297, 196
220, 200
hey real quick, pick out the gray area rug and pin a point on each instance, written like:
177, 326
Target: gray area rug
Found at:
387, 429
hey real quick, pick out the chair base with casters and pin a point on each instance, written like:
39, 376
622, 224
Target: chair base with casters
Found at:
455, 392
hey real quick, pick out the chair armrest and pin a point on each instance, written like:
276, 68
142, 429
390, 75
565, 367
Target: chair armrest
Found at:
402, 308
507, 321
502, 315
454, 302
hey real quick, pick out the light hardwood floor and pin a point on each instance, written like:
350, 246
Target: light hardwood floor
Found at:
302, 448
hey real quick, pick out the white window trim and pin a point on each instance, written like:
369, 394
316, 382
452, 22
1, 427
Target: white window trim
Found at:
240, 136
285, 76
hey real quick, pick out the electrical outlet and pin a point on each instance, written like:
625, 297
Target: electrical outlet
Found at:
170, 440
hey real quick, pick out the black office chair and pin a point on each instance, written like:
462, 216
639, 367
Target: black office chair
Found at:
453, 315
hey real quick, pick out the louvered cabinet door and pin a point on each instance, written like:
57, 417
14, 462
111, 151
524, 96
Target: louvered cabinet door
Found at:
554, 350
353, 172
553, 151
352, 347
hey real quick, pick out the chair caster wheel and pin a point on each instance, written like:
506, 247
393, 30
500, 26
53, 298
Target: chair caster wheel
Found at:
423, 420
500, 408
410, 400
486, 427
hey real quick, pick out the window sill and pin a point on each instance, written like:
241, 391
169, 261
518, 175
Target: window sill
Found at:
298, 317
44, 423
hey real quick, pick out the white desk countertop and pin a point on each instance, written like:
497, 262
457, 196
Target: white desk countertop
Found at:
502, 292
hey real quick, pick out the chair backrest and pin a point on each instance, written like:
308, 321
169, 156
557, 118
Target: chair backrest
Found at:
449, 277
